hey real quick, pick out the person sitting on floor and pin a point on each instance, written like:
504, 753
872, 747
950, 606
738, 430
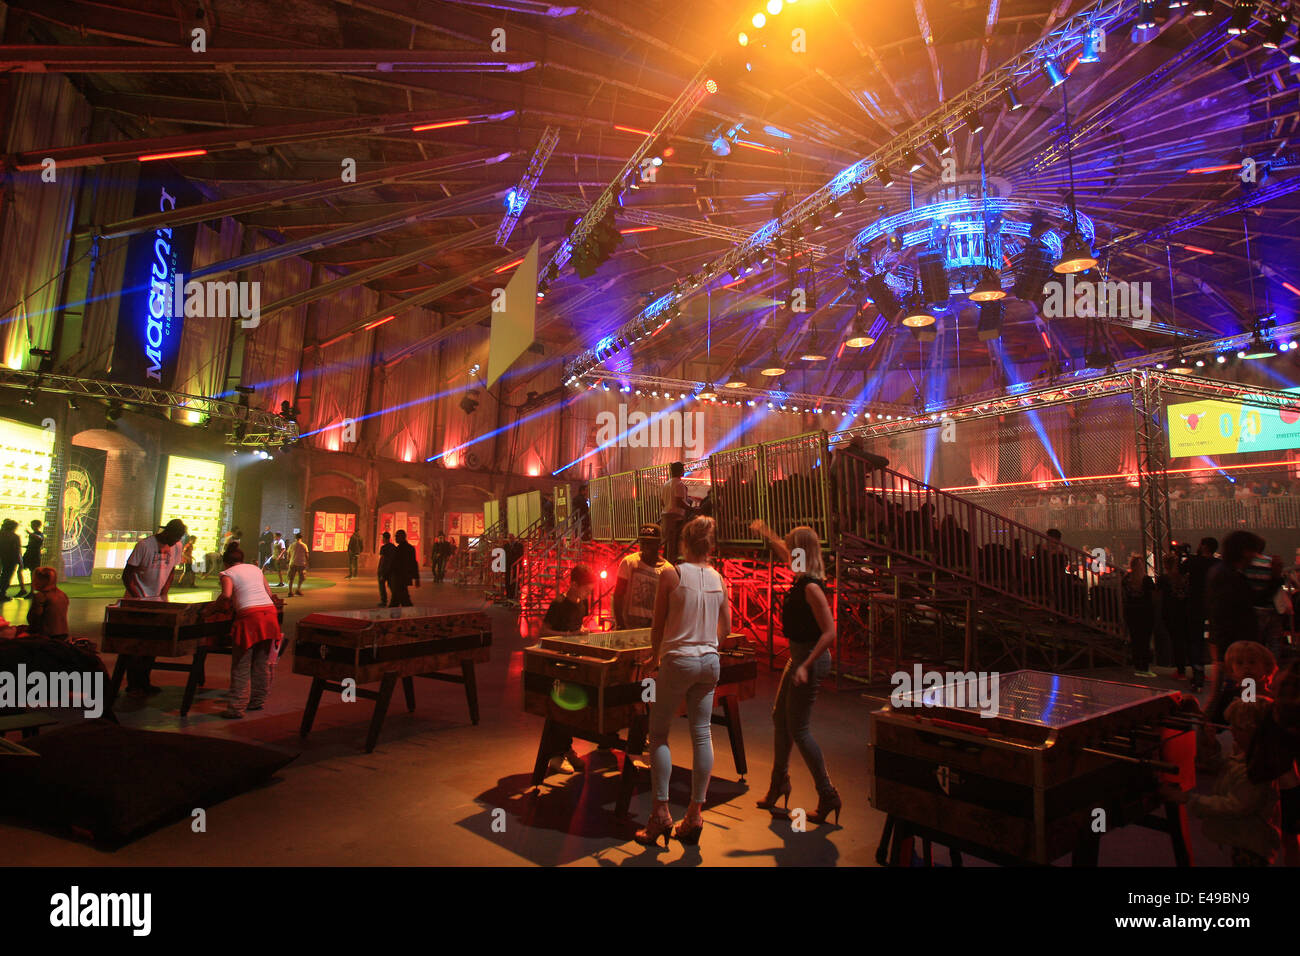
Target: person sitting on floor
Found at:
48, 615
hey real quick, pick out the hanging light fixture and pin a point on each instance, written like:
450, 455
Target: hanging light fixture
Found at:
1076, 254
1052, 70
1013, 100
939, 140
774, 366
860, 338
885, 177
735, 381
989, 288
1259, 348
813, 352
911, 162
915, 314
708, 393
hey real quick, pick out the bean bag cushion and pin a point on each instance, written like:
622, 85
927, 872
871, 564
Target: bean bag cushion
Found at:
114, 784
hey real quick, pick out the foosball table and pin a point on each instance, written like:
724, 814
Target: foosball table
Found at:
157, 627
1064, 760
592, 686
387, 644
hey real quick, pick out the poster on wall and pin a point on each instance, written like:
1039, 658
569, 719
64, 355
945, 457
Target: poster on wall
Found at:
83, 487
464, 523
330, 532
148, 320
195, 492
392, 521
25, 466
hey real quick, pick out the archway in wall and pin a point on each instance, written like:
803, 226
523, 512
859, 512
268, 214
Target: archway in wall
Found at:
462, 515
331, 521
404, 505
108, 503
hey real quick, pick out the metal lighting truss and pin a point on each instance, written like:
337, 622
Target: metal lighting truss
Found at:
681, 108
648, 217
247, 426
1152, 462
786, 401
1256, 197
1103, 14
528, 182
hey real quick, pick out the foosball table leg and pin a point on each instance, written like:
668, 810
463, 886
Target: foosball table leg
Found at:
195, 679
381, 710
731, 707
408, 688
1179, 834
471, 690
115, 682
313, 702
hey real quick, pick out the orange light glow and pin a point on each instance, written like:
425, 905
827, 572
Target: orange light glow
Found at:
429, 126
710, 85
628, 232
1214, 169
1290, 288
761, 148
632, 129
377, 323
508, 265
150, 157
1131, 476
1204, 252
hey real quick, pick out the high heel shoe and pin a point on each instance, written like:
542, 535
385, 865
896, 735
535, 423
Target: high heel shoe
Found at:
777, 790
654, 829
826, 804
688, 834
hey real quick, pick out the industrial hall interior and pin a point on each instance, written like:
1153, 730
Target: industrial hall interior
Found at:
370, 482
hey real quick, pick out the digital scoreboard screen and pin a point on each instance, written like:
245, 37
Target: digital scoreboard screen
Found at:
1216, 428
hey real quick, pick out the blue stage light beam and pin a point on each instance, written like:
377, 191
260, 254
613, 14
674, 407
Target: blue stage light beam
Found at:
617, 439
1034, 420
531, 416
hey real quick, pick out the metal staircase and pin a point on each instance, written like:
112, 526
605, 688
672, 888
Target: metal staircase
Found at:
927, 576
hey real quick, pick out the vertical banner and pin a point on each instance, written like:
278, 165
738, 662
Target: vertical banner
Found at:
148, 333
514, 311
83, 488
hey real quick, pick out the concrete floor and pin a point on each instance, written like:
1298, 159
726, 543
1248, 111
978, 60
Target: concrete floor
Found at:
428, 793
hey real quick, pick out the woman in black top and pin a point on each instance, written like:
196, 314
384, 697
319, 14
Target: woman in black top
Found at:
1175, 604
1137, 590
31, 557
10, 555
809, 627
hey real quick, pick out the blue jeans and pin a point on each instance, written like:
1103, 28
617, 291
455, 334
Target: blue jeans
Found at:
792, 717
695, 679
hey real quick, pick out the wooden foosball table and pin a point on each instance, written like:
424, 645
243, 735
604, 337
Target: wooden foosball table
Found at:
387, 644
1064, 760
590, 686
156, 627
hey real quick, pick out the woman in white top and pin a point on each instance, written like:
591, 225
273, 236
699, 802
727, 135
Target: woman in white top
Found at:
691, 613
255, 635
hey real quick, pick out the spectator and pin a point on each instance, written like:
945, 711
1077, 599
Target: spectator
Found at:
264, 547
355, 545
1230, 607
255, 634
1175, 590
673, 496
10, 555
404, 572
1197, 568
32, 555
1137, 591
297, 563
276, 561
148, 574
384, 566
514, 549
48, 615
637, 582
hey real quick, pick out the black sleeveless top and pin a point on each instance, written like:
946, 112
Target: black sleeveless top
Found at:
797, 618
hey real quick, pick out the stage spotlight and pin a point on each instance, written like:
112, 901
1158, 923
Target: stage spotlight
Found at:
1052, 70
989, 288
1220, 359
720, 146
885, 177
911, 162
882, 295
1243, 12
1076, 256
1276, 32
1092, 43
895, 241
1293, 54
990, 321
836, 211
708, 393
924, 333
1259, 348
1013, 100
858, 193
974, 122
469, 403
742, 38
758, 20
940, 142
859, 337
1146, 18
774, 6
736, 381
113, 413
816, 221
